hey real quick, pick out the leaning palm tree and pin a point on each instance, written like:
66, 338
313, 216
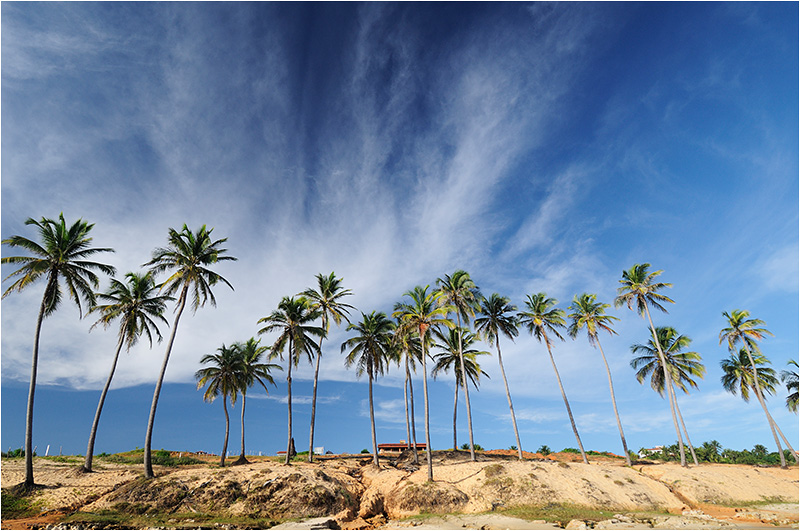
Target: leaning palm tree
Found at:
419, 315
61, 255
744, 331
326, 300
640, 289
497, 318
454, 346
789, 377
462, 295
371, 351
187, 258
253, 372
137, 305
683, 367
407, 346
588, 313
292, 320
541, 318
223, 377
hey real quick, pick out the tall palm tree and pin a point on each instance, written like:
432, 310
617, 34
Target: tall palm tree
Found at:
223, 377
588, 313
789, 377
61, 255
187, 257
370, 351
419, 315
737, 378
744, 331
137, 305
462, 295
454, 346
291, 320
640, 289
326, 300
407, 346
683, 367
497, 318
253, 371
541, 318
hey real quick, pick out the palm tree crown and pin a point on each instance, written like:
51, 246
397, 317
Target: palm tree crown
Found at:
740, 329
737, 377
292, 320
541, 319
789, 377
447, 358
639, 289
326, 299
371, 349
587, 312
683, 367
497, 318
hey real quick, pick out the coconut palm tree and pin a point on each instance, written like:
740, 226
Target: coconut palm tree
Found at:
291, 320
640, 289
187, 257
223, 376
462, 295
253, 371
588, 313
419, 315
497, 318
452, 349
683, 367
407, 346
371, 351
540, 318
789, 377
326, 300
742, 330
138, 306
737, 378
61, 255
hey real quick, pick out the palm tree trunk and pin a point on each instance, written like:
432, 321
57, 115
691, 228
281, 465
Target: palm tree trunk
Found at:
614, 403
227, 431
669, 388
466, 390
314, 394
87, 463
289, 401
685, 431
425, 393
785, 440
508, 396
148, 463
757, 388
566, 402
455, 415
372, 421
51, 282
405, 399
242, 459
413, 420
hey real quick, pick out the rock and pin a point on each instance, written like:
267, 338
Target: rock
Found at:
371, 504
576, 524
312, 523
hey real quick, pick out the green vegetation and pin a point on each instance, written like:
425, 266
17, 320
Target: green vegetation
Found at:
160, 457
478, 447
131, 518
560, 513
16, 506
712, 452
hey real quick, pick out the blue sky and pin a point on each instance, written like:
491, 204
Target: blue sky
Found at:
541, 147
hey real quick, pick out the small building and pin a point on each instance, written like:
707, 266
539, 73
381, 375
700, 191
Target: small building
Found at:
397, 448
644, 452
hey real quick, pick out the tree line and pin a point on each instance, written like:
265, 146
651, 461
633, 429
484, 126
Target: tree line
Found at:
426, 318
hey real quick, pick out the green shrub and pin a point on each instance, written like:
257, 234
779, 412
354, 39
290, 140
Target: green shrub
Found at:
571, 451
478, 447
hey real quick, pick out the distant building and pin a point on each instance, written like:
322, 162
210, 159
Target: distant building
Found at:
644, 452
397, 448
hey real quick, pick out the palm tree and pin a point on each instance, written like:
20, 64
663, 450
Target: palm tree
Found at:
587, 312
292, 320
457, 341
252, 372
541, 318
61, 255
737, 378
187, 257
136, 304
462, 295
407, 346
789, 377
712, 450
746, 331
640, 289
326, 300
497, 320
682, 367
370, 351
223, 377
419, 315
